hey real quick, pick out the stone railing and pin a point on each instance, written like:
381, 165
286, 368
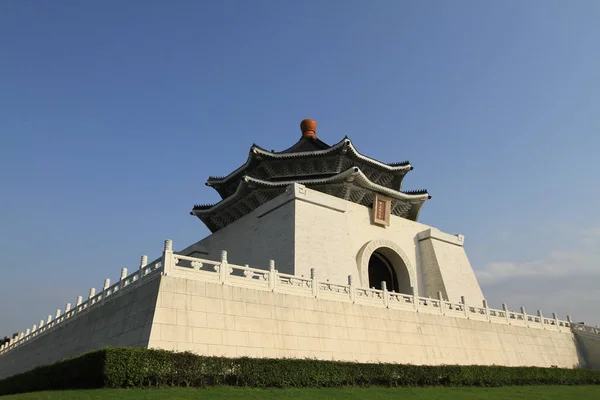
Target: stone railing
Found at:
125, 284
223, 272
270, 279
585, 328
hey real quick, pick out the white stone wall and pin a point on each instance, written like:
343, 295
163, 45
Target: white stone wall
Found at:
446, 267
434, 282
331, 232
124, 320
265, 234
222, 320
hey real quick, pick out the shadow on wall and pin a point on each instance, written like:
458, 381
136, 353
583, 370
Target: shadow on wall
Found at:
385, 265
588, 347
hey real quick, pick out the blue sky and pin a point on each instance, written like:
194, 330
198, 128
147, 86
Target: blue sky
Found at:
113, 114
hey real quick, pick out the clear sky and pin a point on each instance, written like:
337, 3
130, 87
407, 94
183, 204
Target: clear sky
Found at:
114, 113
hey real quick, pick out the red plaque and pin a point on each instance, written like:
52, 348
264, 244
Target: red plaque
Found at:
381, 210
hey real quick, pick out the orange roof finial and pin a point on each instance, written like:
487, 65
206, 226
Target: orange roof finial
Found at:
309, 128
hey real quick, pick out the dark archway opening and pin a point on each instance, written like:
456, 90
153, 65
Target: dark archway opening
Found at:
381, 270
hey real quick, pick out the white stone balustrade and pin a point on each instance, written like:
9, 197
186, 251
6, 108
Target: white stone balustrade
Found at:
586, 328
269, 279
93, 299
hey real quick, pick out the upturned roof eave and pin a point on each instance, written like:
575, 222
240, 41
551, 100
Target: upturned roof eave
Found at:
255, 149
398, 168
354, 172
351, 172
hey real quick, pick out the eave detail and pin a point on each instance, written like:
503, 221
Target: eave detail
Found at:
352, 185
306, 159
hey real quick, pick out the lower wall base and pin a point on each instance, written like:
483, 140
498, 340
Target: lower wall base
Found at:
213, 319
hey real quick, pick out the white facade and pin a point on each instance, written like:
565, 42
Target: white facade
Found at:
304, 229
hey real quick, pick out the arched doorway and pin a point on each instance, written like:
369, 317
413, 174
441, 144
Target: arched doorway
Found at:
385, 265
406, 273
381, 270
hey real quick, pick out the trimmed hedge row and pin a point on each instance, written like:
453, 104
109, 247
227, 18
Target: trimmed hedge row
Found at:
137, 367
82, 372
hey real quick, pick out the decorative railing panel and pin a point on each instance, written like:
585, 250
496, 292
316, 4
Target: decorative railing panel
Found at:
197, 267
401, 300
369, 296
293, 284
248, 277
333, 291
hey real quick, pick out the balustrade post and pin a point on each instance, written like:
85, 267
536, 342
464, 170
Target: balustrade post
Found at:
487, 310
27, 332
41, 323
272, 275
505, 308
352, 289
67, 309
92, 294
555, 317
49, 319
442, 303
464, 306
122, 278
386, 297
144, 262
314, 283
78, 304
524, 312
167, 258
33, 328
541, 317
413, 293
224, 267
105, 288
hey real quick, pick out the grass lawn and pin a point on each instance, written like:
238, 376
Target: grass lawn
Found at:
230, 393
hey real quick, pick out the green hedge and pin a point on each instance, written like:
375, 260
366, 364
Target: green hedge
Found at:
136, 367
82, 372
